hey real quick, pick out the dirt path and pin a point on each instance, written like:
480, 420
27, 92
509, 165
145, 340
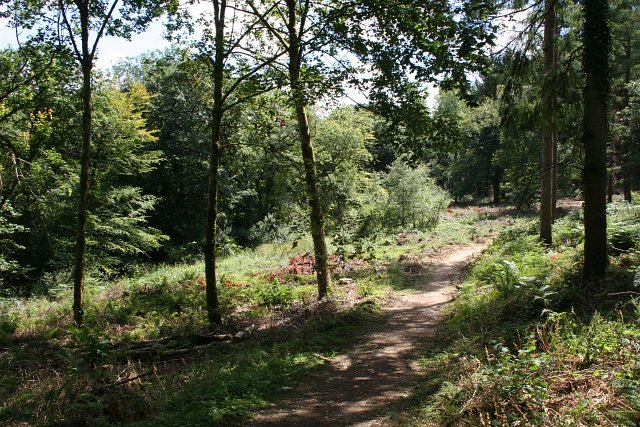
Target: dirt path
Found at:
356, 389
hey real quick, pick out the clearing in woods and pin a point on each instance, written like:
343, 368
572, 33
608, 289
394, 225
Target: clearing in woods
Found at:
360, 387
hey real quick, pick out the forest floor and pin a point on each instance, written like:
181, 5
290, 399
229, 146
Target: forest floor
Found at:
363, 386
388, 346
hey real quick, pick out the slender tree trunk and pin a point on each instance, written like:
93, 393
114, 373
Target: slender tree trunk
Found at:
316, 217
548, 99
554, 177
455, 159
554, 134
626, 170
611, 174
308, 157
213, 309
597, 40
79, 266
495, 184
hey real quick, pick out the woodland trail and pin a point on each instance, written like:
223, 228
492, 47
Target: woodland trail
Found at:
357, 389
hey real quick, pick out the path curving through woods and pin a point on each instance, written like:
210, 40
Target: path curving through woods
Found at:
358, 388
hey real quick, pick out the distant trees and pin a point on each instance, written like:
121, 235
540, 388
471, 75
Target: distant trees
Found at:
39, 177
468, 147
34, 81
414, 200
625, 52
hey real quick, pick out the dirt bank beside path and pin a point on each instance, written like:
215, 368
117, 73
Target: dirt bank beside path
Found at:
358, 388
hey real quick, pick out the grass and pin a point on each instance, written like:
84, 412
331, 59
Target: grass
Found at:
79, 381
199, 389
528, 344
54, 373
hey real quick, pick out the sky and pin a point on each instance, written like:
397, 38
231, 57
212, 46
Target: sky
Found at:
113, 49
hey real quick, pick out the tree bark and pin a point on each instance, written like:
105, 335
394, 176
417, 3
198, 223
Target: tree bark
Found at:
597, 41
213, 309
610, 185
495, 184
626, 169
308, 157
316, 217
548, 100
554, 175
79, 266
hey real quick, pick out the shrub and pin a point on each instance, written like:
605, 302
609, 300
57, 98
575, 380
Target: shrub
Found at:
272, 294
414, 199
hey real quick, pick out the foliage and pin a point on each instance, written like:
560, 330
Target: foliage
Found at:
475, 168
273, 293
624, 229
38, 208
8, 246
343, 155
414, 200
527, 349
630, 132
567, 372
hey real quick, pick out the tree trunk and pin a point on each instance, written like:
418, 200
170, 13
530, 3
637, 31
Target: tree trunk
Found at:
611, 163
213, 309
554, 134
495, 184
626, 170
611, 174
79, 266
548, 99
316, 217
554, 177
596, 96
308, 157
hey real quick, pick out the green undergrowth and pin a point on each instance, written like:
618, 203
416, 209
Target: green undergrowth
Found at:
54, 373
529, 344
460, 225
169, 299
230, 386
214, 388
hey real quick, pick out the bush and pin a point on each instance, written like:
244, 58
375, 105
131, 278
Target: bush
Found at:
273, 294
414, 199
8, 324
